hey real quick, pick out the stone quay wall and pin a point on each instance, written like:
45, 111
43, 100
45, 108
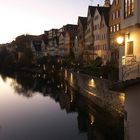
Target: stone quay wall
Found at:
96, 90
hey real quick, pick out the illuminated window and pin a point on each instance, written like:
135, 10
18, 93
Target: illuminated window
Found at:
118, 27
130, 48
111, 29
128, 8
114, 28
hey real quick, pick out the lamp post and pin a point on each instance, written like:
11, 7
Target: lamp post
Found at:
121, 43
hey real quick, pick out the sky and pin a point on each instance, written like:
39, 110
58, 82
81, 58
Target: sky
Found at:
35, 16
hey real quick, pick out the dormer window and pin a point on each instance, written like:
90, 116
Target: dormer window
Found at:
128, 8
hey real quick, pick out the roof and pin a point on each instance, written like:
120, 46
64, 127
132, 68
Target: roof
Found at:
70, 27
92, 10
104, 11
83, 21
72, 33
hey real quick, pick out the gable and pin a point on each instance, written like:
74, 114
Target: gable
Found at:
88, 15
97, 14
103, 20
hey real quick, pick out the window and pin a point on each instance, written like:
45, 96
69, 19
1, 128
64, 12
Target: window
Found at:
111, 29
114, 28
128, 8
118, 14
118, 27
130, 48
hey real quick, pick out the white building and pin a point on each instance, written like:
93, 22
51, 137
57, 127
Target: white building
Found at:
101, 34
130, 49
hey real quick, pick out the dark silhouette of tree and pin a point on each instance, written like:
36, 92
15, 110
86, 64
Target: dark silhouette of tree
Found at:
7, 59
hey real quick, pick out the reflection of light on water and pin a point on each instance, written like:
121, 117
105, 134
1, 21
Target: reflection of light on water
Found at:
122, 98
71, 78
91, 93
92, 119
44, 68
92, 83
58, 60
44, 76
71, 97
66, 89
66, 74
7, 87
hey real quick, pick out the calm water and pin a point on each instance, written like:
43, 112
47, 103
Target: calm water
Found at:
44, 108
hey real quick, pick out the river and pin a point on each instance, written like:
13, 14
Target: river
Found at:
35, 107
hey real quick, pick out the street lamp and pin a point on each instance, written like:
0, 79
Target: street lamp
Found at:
120, 40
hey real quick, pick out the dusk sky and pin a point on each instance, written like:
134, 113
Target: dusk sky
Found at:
34, 16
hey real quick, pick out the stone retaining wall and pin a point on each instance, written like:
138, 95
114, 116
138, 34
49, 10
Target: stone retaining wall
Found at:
97, 90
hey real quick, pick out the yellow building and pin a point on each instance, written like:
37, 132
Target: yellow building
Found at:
114, 24
131, 34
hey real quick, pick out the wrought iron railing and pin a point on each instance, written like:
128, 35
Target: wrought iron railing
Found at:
131, 71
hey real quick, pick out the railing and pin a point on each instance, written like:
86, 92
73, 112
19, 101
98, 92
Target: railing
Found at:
131, 71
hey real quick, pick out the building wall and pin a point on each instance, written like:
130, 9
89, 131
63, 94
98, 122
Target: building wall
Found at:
131, 31
97, 33
88, 52
114, 21
90, 88
75, 47
67, 44
131, 20
81, 39
101, 38
61, 44
134, 34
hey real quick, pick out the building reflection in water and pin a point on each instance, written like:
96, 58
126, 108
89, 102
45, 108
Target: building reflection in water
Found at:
66, 74
122, 98
71, 78
92, 83
94, 122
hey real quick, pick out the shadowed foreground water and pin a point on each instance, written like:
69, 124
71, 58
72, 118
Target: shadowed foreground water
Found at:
44, 108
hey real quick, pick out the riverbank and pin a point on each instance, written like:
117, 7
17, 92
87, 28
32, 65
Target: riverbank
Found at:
90, 88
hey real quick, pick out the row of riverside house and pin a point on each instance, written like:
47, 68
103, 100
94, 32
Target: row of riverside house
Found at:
87, 40
112, 33
96, 36
55, 42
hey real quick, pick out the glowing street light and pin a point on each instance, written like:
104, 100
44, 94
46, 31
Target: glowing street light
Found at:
120, 40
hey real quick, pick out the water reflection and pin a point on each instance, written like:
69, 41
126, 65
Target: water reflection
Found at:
91, 122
